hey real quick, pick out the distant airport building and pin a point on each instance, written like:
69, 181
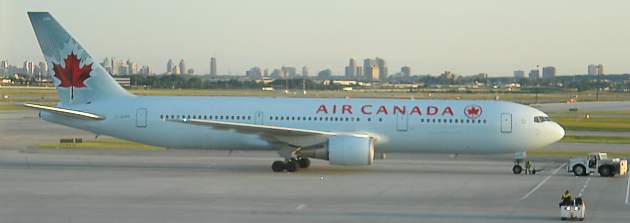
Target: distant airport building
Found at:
519, 74
534, 75
213, 66
549, 73
595, 69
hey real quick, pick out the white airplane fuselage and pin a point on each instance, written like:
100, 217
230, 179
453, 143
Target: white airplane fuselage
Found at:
411, 126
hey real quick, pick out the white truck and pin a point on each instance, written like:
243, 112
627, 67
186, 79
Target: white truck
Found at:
597, 162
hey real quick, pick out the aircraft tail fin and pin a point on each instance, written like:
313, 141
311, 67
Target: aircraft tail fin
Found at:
79, 79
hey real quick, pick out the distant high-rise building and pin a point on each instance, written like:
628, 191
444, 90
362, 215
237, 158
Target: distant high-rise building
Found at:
405, 71
534, 74
254, 73
374, 74
28, 68
325, 74
43, 68
4, 67
367, 68
146, 70
549, 73
176, 70
595, 69
213, 66
266, 72
305, 71
107, 64
182, 67
351, 69
288, 71
519, 74
169, 66
382, 67
358, 73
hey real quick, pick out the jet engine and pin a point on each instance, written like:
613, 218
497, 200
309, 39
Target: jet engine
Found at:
344, 150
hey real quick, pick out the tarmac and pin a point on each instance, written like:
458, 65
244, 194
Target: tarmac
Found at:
72, 185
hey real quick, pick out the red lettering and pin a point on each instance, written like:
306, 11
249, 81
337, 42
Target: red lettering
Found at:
432, 110
415, 109
398, 109
334, 109
448, 110
346, 108
381, 109
364, 111
322, 108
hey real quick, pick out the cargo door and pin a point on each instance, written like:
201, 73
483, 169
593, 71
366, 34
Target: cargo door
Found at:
141, 118
402, 122
506, 122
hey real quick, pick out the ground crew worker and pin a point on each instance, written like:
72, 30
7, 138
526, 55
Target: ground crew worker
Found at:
528, 167
566, 198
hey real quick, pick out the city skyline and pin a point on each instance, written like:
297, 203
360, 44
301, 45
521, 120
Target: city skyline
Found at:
493, 37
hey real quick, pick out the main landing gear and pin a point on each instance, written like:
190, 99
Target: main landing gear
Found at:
291, 165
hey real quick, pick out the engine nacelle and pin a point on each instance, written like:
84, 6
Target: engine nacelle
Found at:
344, 150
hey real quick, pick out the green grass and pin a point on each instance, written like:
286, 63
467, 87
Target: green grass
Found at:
572, 153
613, 124
597, 139
108, 144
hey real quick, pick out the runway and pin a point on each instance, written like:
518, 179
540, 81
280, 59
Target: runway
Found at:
196, 186
68, 185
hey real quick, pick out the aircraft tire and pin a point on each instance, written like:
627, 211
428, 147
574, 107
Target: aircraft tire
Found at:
304, 162
278, 166
292, 165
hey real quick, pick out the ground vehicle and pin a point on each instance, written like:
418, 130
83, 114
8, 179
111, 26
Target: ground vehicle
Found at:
597, 162
573, 210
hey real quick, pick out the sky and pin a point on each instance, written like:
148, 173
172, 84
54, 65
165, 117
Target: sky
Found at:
431, 36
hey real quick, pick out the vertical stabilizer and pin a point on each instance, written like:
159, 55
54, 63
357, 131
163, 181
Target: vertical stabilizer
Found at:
79, 79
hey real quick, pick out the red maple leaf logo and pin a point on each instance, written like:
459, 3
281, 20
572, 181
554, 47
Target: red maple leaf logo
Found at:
72, 74
473, 111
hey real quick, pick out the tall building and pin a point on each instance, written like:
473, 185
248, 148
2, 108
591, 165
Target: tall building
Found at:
213, 66
534, 75
351, 69
519, 74
182, 67
374, 74
4, 67
595, 69
549, 73
305, 71
169, 66
107, 64
358, 73
254, 73
43, 68
176, 70
28, 68
382, 67
367, 68
288, 71
405, 71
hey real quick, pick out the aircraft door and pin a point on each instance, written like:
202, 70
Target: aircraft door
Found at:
402, 122
506, 122
259, 118
141, 118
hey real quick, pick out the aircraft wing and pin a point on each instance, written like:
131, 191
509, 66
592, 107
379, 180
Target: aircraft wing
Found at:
274, 134
66, 112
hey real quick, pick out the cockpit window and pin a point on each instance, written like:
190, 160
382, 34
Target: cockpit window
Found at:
539, 119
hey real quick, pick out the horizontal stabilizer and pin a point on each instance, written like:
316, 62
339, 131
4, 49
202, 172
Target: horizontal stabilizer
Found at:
67, 112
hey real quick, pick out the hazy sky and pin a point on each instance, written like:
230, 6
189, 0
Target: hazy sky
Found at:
465, 36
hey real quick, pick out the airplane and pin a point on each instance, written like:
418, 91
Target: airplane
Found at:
344, 131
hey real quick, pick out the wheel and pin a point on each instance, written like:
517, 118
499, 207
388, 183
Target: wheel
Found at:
579, 170
563, 219
278, 166
304, 162
533, 171
292, 165
517, 169
605, 171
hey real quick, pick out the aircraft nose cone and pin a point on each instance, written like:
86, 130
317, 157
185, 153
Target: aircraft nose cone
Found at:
557, 132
